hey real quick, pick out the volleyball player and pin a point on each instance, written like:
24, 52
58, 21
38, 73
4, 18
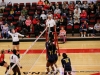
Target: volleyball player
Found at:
15, 39
55, 56
50, 57
66, 63
15, 60
2, 62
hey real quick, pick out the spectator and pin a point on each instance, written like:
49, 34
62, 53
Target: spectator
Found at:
70, 14
49, 13
97, 15
64, 5
19, 23
36, 15
79, 5
77, 9
22, 17
46, 7
18, 8
56, 5
62, 21
1, 21
11, 26
9, 3
40, 3
12, 13
28, 23
52, 7
46, 2
83, 15
57, 15
83, 29
24, 11
76, 17
43, 16
85, 5
71, 7
4, 32
70, 21
37, 29
64, 11
57, 10
62, 34
1, 13
92, 9
6, 21
2, 5
35, 20
96, 27
24, 30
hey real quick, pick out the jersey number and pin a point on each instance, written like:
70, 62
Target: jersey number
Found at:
66, 60
51, 52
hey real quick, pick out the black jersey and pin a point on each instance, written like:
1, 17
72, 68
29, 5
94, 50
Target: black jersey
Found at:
66, 62
49, 49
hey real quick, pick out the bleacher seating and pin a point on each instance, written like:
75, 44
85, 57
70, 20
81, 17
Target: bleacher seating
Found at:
32, 7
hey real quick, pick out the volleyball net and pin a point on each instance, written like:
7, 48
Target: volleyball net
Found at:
30, 57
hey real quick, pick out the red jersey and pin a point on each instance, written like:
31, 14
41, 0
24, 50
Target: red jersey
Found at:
2, 57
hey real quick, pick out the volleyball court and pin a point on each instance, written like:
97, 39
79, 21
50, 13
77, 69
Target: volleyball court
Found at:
35, 62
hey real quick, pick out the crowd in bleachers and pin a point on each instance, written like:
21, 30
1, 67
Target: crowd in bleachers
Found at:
30, 18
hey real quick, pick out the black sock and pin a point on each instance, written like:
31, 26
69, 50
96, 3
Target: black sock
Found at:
7, 67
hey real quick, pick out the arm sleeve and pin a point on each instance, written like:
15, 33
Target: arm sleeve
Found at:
20, 35
9, 33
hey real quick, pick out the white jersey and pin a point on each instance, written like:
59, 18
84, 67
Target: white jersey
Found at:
15, 36
14, 59
50, 23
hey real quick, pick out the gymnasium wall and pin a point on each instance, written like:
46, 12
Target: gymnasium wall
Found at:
24, 1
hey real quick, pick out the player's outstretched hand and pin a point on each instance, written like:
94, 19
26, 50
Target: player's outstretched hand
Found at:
24, 36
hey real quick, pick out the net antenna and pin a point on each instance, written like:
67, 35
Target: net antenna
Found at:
49, 32
26, 51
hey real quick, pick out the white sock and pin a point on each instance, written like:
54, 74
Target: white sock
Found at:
84, 35
81, 35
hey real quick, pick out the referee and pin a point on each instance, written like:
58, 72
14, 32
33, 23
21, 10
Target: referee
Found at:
14, 60
15, 39
51, 25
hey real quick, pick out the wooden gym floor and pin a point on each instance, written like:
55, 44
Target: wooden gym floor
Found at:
84, 55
